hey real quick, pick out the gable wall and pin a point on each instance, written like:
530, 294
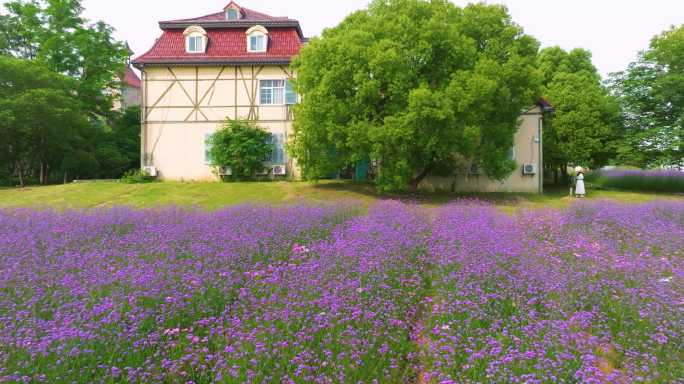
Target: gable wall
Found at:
184, 104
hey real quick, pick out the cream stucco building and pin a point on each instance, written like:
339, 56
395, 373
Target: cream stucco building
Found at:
232, 64
235, 64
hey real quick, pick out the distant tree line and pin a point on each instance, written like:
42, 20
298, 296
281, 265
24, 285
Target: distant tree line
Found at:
634, 118
57, 76
419, 87
425, 88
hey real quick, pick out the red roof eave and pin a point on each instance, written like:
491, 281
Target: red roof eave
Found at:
225, 46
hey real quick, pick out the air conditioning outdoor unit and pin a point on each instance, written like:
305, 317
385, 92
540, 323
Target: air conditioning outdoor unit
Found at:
529, 169
150, 171
279, 170
225, 171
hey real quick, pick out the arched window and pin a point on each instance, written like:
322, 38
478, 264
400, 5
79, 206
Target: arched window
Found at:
195, 39
257, 39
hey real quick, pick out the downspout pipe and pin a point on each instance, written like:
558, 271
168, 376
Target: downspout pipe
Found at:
540, 131
143, 118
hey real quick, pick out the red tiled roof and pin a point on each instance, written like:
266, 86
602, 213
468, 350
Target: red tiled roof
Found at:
227, 45
131, 78
248, 15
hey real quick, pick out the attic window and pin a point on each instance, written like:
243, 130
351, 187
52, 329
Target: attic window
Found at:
195, 39
257, 39
232, 14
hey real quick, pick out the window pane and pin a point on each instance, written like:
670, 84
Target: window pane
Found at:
266, 96
270, 140
232, 14
511, 153
278, 94
191, 44
257, 43
278, 151
207, 149
290, 95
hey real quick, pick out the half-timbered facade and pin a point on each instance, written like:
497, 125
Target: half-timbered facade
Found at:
232, 64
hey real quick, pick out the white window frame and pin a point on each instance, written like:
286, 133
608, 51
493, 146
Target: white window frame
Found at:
284, 93
197, 37
197, 34
264, 39
256, 32
273, 101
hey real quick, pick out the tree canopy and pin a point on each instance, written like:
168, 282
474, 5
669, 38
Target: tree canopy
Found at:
57, 71
584, 129
54, 33
420, 87
651, 94
44, 127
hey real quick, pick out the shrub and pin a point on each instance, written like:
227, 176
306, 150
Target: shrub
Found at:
240, 146
136, 176
639, 180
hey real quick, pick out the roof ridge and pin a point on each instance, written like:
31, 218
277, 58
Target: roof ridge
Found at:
265, 15
192, 18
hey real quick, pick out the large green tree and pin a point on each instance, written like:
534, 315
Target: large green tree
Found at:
651, 93
421, 87
40, 126
53, 32
585, 126
28, 87
45, 131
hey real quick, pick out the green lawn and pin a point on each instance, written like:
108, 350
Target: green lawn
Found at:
215, 195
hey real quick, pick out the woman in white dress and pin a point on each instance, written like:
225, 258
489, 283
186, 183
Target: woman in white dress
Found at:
579, 187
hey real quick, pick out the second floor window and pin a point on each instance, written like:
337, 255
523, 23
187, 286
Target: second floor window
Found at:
195, 44
276, 92
257, 43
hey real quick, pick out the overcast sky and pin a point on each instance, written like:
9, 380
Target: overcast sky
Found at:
614, 30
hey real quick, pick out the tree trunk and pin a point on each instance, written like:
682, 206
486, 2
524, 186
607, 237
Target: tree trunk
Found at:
20, 172
420, 177
10, 174
555, 176
65, 177
41, 174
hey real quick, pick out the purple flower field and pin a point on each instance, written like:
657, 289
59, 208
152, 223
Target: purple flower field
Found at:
331, 294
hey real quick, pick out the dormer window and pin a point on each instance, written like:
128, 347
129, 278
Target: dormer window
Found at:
257, 39
195, 39
232, 14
